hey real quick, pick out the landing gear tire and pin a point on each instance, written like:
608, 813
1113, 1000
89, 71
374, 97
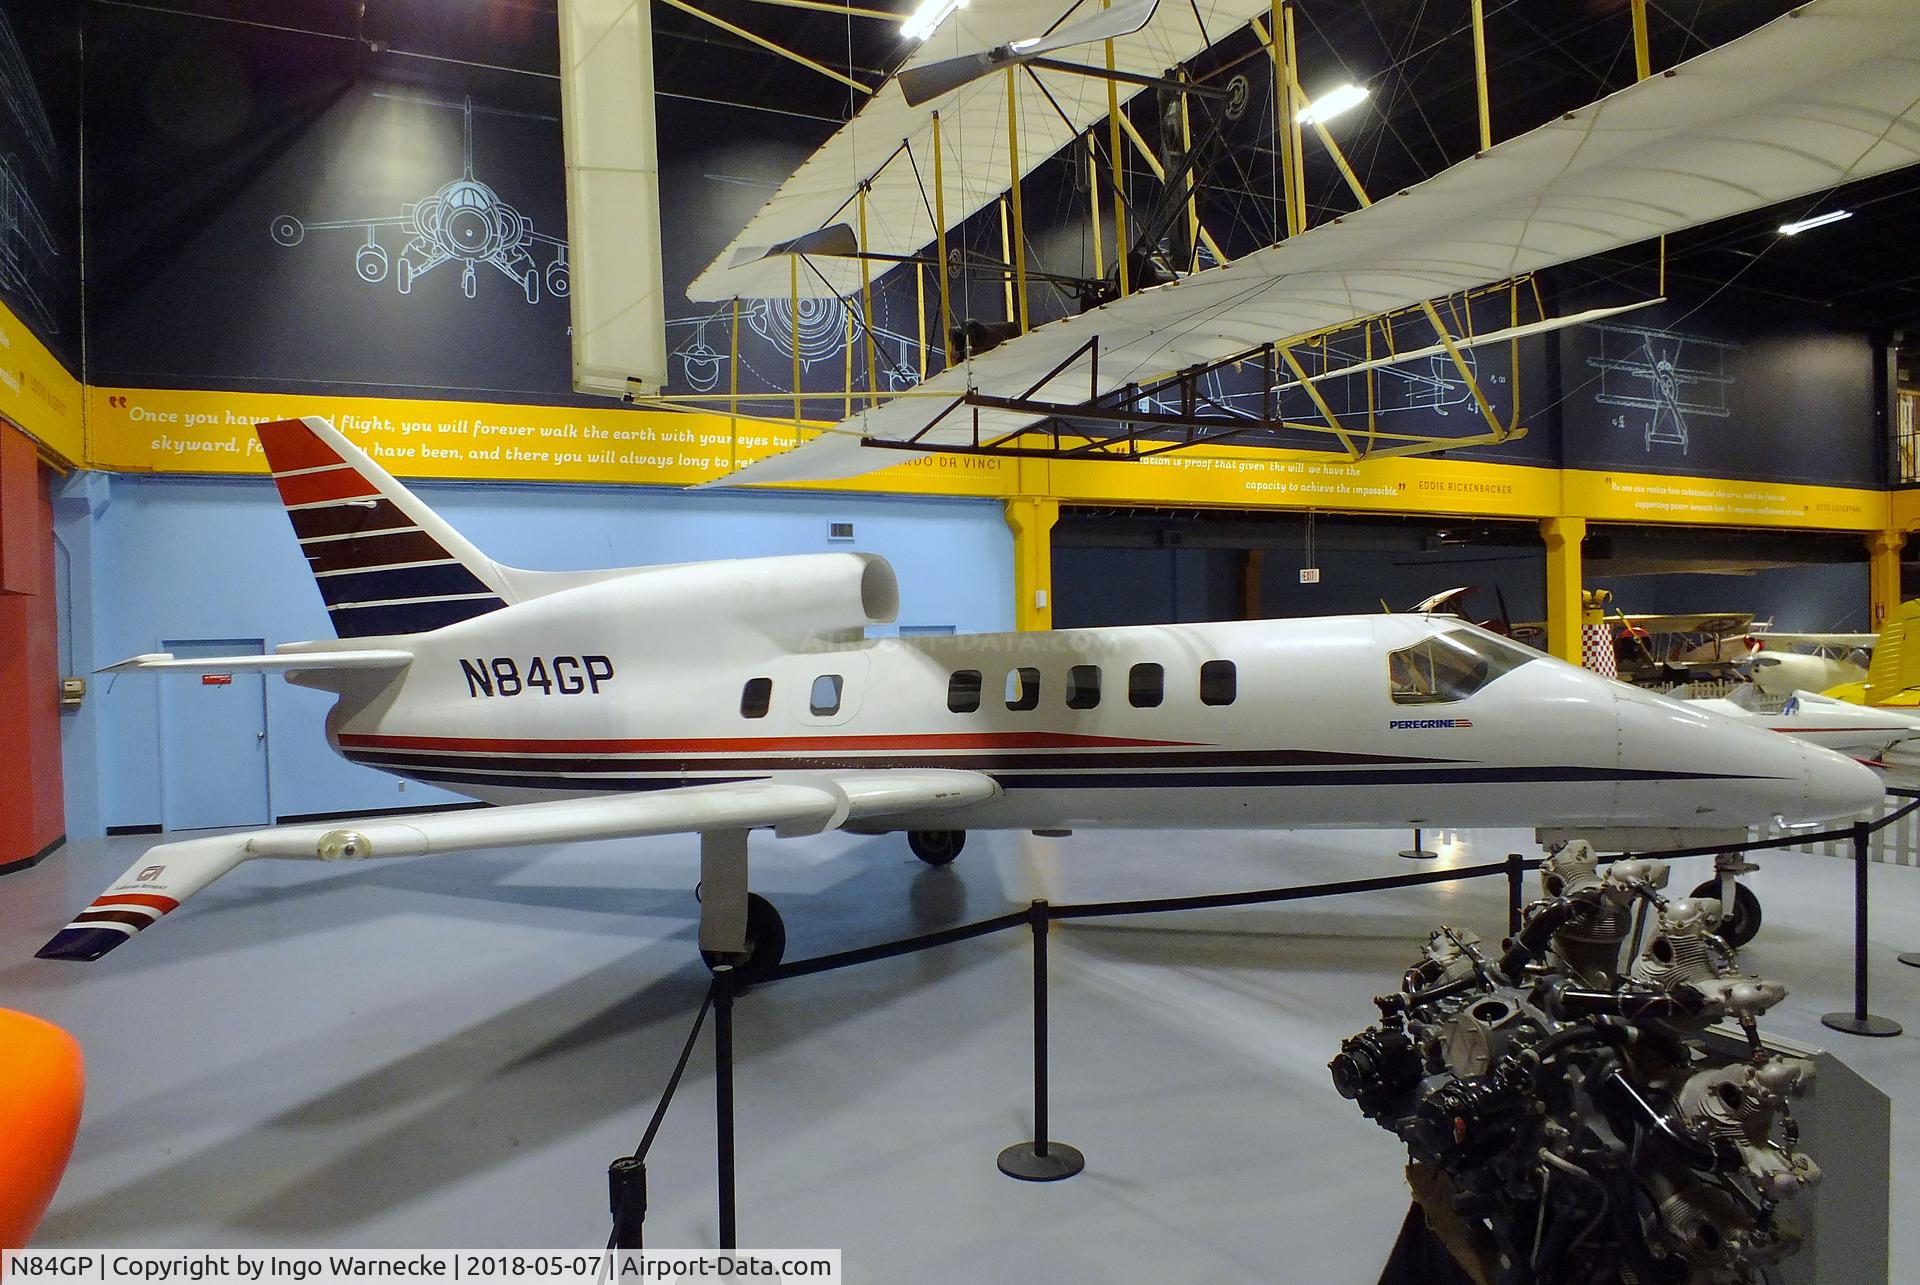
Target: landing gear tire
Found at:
1740, 922
766, 943
937, 847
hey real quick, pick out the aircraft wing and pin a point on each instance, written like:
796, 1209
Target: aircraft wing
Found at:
1721, 624
1814, 99
792, 804
1817, 640
272, 663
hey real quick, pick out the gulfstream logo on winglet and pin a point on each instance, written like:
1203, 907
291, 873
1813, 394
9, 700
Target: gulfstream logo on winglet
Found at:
1410, 724
567, 675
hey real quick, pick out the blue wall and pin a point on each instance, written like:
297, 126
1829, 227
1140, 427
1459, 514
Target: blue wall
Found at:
149, 558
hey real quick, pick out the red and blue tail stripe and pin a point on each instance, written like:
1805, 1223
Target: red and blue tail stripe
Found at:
384, 563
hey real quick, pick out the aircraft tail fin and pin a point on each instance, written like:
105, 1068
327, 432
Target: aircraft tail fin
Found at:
385, 562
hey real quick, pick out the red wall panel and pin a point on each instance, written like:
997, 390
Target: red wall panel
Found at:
32, 819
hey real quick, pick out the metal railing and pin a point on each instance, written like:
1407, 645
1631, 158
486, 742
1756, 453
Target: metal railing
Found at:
1906, 437
1043, 1158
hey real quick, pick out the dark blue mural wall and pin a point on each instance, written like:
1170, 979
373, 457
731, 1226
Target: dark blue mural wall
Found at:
280, 210
39, 171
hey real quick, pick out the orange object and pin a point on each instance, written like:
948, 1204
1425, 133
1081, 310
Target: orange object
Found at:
42, 1081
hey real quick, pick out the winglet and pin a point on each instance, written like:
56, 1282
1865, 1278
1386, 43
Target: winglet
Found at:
152, 887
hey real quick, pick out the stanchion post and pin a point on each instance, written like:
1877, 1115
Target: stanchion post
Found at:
627, 1200
1419, 851
1516, 890
1043, 1159
1860, 1021
723, 1100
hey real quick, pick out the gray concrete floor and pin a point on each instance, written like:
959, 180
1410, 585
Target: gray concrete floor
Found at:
448, 1052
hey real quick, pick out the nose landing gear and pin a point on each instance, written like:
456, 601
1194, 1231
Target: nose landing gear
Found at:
1739, 907
937, 847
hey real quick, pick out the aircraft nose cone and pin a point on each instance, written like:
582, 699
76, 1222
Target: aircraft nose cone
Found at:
1837, 787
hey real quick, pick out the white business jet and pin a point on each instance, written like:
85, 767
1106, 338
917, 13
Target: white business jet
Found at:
719, 698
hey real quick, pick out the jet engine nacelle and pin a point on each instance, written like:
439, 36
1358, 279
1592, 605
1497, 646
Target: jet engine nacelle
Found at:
830, 597
794, 602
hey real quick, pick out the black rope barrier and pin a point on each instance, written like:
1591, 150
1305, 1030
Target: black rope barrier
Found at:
1045, 1158
627, 1176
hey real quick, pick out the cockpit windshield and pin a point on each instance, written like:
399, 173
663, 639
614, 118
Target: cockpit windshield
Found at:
1452, 665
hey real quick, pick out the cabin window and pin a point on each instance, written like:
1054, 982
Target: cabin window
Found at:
825, 697
1023, 688
755, 697
1452, 666
1146, 685
963, 691
1219, 682
1083, 687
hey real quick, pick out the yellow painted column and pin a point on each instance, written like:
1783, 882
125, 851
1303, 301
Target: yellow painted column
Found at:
1563, 536
1883, 575
1032, 519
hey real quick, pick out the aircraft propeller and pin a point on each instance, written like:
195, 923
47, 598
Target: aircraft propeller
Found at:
923, 84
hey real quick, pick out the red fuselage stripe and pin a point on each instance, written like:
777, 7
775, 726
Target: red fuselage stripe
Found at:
750, 744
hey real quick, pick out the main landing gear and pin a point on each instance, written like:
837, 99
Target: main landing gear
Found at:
736, 927
937, 847
766, 942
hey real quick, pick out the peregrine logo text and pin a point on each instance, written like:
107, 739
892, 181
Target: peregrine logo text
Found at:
1422, 724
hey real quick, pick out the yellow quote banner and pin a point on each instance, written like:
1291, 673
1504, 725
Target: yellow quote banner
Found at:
144, 430
1697, 501
199, 431
37, 393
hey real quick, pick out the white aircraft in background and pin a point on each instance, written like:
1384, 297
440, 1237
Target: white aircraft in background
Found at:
1780, 672
718, 698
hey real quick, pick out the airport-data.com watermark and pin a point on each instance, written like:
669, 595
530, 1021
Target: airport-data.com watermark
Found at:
417, 1266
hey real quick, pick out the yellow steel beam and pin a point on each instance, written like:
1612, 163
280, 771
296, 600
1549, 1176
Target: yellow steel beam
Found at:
769, 45
733, 390
1642, 56
1430, 445
793, 300
1093, 201
1032, 519
1145, 150
920, 311
1480, 72
1193, 190
846, 10
1320, 402
1883, 575
1006, 256
1114, 120
1013, 167
1466, 371
1563, 536
866, 306
940, 227
1283, 113
1294, 108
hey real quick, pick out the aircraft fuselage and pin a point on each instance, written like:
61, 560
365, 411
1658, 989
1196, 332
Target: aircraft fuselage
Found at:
1281, 723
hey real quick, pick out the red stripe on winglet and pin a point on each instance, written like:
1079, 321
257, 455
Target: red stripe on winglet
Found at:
290, 445
161, 904
311, 488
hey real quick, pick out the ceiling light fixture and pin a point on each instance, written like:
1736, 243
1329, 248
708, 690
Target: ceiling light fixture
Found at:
1817, 221
926, 20
1332, 103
